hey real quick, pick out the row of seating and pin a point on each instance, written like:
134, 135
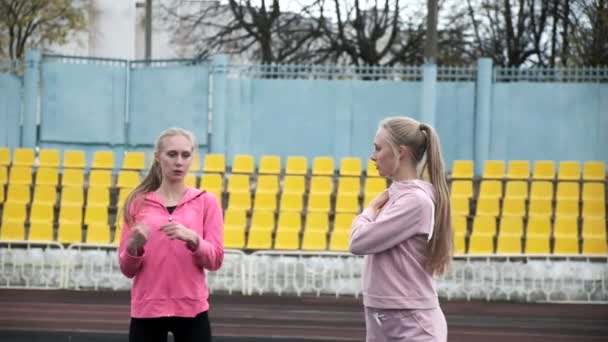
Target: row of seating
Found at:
541, 170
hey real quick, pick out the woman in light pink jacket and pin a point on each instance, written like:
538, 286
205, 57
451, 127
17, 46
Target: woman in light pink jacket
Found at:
405, 235
171, 235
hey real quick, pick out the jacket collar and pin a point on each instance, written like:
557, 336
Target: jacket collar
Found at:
189, 195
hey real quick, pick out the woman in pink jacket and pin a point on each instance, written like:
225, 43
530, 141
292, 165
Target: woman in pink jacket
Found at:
405, 235
171, 235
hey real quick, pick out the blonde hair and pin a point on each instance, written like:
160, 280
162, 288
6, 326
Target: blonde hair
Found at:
423, 142
154, 178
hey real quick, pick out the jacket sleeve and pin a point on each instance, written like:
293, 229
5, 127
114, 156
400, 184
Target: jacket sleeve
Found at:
129, 264
397, 223
210, 252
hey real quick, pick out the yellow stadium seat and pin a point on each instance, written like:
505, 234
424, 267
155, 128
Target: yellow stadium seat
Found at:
234, 238
289, 221
41, 212
593, 208
508, 244
512, 225
47, 176
371, 170
594, 191
5, 156
349, 185
238, 183
71, 214
541, 190
514, 207
239, 200
103, 159
18, 193
127, 179
190, 180
481, 244
2, 194
374, 185
569, 170
287, 239
134, 160
267, 184
544, 170
323, 166
459, 243
488, 207
72, 195
321, 185
49, 158
347, 203
14, 212
41, 231
24, 157
212, 182
214, 162
516, 189
265, 201
594, 171
12, 230
314, 240
296, 165
490, 189
459, 224
270, 165
99, 197
568, 190
317, 221
462, 188
69, 233
594, 227
294, 184
72, 177
74, 159
343, 221
565, 226
95, 215
462, 169
20, 175
235, 219
45, 194
195, 162
484, 225
260, 233
459, 205
540, 207
565, 244
243, 163
518, 169
594, 246
122, 196
537, 244
96, 233
338, 242
566, 207
291, 202
494, 169
350, 166
319, 203
100, 178
3, 175
539, 225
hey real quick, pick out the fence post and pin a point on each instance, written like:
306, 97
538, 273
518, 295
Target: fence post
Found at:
483, 119
31, 98
428, 104
217, 134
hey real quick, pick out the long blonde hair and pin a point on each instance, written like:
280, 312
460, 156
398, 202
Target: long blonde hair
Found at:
423, 142
154, 178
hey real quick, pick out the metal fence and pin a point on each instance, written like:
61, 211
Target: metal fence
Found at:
525, 278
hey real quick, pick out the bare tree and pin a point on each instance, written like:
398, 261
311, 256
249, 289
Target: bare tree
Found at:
25, 23
588, 23
266, 32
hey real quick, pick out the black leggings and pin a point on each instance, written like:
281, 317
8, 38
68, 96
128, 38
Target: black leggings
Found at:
184, 329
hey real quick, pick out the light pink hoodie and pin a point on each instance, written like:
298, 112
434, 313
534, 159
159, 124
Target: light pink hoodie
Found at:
169, 279
394, 243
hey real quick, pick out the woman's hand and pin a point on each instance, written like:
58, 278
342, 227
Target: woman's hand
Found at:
178, 231
380, 200
139, 237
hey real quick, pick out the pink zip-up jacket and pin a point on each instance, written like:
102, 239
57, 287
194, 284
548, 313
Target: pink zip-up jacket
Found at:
394, 242
169, 279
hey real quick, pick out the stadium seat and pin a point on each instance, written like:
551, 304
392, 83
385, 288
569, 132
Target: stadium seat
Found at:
569, 170
508, 244
594, 227
512, 225
488, 207
212, 182
214, 163
595, 246
235, 224
459, 243
314, 240
265, 201
540, 207
239, 201
371, 170
98, 196
565, 244
318, 202
45, 194
100, 178
12, 230
191, 180
97, 234
5, 156
594, 191
541, 190
95, 215
127, 179
317, 221
69, 233
565, 226
24, 157
343, 221
243, 163
349, 185
323, 166
518, 169
459, 205
481, 244
238, 183
566, 207
514, 207
287, 239
103, 159
291, 201
537, 244
538, 225
296, 165
516, 189
338, 242
462, 188
267, 184
459, 224
72, 195
567, 191
294, 184
41, 212
347, 203
72, 177
350, 166
41, 231
270, 165
14, 212
493, 169
462, 169
18, 193
47, 176
71, 214
20, 175
134, 160
3, 175
594, 208
260, 233
490, 189
484, 225
544, 170
594, 171
321, 185
49, 158
74, 159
